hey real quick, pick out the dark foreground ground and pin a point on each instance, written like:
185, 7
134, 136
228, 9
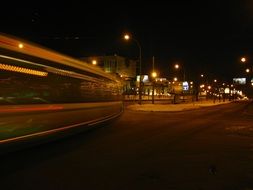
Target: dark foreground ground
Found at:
208, 148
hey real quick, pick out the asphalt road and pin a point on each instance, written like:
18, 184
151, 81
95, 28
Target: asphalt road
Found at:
209, 148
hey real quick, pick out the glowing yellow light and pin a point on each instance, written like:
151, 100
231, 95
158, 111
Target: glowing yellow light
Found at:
154, 74
215, 80
247, 70
202, 75
243, 59
176, 66
175, 79
126, 37
209, 87
20, 45
94, 62
22, 70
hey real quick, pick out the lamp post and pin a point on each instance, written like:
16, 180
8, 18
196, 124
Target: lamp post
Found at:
249, 71
177, 66
127, 37
154, 75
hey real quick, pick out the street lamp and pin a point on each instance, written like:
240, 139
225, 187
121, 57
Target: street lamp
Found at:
177, 66
243, 59
154, 75
94, 62
127, 37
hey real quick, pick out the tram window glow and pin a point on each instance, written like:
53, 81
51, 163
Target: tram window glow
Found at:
22, 70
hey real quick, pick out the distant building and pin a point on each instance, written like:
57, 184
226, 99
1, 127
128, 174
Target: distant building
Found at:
117, 65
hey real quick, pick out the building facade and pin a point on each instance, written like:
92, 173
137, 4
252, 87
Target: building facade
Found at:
119, 66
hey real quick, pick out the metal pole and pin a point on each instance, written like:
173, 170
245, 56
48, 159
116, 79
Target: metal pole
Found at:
153, 93
153, 61
184, 74
140, 87
153, 85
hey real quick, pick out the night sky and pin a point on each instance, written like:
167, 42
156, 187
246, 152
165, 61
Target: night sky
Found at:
204, 36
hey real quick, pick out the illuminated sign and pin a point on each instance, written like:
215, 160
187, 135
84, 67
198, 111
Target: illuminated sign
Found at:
185, 85
240, 81
144, 78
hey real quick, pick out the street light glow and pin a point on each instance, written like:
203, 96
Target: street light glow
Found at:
154, 74
94, 62
243, 59
176, 66
175, 79
247, 70
126, 37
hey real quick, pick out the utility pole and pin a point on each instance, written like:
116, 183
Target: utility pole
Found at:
153, 85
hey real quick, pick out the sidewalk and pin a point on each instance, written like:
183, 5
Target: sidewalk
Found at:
174, 107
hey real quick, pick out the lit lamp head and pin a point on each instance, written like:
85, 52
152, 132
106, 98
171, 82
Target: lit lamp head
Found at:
126, 37
176, 66
154, 74
243, 59
94, 62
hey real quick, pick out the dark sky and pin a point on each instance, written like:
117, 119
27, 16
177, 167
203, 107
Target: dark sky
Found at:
204, 36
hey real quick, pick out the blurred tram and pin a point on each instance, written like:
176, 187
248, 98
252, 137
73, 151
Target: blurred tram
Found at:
43, 92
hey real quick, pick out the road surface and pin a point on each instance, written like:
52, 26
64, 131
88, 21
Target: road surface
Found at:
208, 148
